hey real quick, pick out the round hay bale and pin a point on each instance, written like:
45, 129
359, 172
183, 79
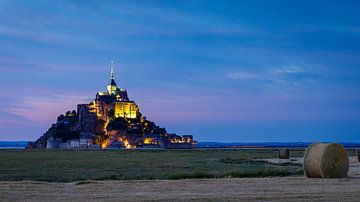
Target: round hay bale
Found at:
283, 154
326, 161
357, 151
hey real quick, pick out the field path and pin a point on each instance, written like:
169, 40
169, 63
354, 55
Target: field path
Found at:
247, 189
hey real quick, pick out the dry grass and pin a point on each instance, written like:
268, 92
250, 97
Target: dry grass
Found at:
246, 189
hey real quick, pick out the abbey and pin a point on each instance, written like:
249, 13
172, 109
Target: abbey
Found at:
111, 120
115, 100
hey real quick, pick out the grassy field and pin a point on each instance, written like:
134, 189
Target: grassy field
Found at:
80, 165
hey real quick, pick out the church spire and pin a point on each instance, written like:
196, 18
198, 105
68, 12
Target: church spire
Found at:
111, 87
112, 75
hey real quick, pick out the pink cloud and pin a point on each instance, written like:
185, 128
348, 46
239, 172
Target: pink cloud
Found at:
45, 110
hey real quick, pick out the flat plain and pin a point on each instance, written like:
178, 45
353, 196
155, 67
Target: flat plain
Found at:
226, 175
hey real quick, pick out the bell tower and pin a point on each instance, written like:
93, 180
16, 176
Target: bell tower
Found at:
111, 87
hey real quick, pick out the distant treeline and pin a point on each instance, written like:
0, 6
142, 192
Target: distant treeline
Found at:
264, 144
22, 144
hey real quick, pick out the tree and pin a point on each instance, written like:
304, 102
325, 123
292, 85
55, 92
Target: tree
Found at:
61, 117
117, 124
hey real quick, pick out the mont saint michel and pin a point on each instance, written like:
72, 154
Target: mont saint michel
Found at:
111, 120
206, 100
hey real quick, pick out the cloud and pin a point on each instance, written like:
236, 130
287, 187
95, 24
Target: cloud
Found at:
8, 118
243, 75
97, 26
33, 110
324, 28
45, 109
283, 76
291, 69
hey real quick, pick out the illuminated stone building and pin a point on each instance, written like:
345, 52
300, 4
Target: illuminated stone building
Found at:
114, 102
114, 121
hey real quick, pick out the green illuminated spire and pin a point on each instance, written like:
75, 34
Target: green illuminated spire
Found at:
111, 88
112, 76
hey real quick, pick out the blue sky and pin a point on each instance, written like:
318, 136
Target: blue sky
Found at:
220, 70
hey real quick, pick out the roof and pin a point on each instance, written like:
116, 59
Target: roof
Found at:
112, 82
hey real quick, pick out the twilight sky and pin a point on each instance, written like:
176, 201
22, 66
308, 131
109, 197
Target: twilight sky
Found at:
220, 70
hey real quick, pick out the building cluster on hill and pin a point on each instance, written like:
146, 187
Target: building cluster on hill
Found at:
111, 120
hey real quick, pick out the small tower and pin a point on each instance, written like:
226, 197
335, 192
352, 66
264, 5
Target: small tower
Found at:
111, 87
